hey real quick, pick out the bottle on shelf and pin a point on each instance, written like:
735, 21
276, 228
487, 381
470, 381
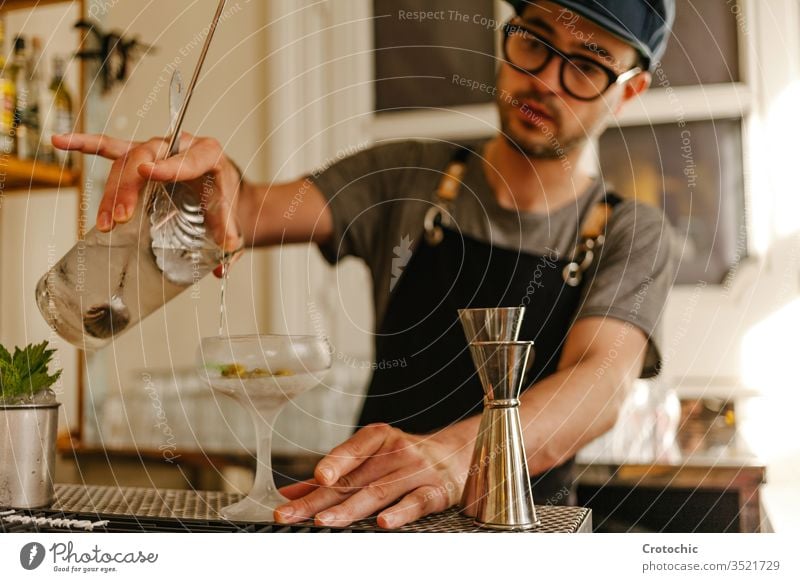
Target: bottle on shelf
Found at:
8, 99
26, 114
58, 115
35, 64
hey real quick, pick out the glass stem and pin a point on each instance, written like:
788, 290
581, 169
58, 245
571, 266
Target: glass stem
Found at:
264, 419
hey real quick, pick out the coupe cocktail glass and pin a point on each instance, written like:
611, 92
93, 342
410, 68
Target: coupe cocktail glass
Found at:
262, 373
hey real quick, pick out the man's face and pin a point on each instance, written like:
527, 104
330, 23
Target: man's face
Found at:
536, 114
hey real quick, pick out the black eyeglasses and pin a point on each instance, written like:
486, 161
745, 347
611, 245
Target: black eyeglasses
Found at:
581, 77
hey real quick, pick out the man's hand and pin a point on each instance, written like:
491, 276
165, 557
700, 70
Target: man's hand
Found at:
375, 468
200, 162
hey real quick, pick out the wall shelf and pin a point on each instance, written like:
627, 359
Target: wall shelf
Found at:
21, 4
25, 175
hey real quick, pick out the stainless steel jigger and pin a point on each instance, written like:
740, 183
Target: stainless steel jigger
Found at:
494, 324
486, 325
498, 491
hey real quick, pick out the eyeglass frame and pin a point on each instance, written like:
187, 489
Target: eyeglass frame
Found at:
613, 77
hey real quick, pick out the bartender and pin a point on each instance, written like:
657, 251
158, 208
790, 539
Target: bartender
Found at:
508, 221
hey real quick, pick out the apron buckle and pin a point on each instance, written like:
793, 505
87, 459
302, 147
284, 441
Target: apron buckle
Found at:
573, 274
581, 261
435, 217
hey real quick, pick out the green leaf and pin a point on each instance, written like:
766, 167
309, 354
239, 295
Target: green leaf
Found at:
26, 372
9, 379
41, 380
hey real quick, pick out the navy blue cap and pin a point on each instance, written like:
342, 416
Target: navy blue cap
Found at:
644, 24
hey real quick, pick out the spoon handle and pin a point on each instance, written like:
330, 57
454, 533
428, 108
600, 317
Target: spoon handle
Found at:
176, 129
175, 100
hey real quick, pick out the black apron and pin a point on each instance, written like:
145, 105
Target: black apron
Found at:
425, 378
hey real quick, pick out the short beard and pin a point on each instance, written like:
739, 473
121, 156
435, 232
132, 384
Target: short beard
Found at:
554, 148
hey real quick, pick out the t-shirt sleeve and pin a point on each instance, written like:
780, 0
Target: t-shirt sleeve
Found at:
357, 189
633, 275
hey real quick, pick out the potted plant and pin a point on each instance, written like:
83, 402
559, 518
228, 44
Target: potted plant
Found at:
28, 423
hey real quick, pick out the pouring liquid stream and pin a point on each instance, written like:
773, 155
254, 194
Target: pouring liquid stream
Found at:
226, 268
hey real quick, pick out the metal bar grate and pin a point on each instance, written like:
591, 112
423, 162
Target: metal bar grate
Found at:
129, 509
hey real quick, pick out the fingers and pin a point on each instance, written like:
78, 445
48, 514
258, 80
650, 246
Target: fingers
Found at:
123, 186
135, 164
323, 498
377, 495
395, 468
201, 157
220, 219
352, 453
307, 506
219, 269
419, 503
101, 145
125, 182
299, 489
201, 164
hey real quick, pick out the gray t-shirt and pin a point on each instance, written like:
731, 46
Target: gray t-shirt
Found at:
378, 199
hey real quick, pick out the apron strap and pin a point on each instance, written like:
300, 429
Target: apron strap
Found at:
447, 191
593, 228
592, 238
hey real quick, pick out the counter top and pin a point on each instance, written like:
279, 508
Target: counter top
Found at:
129, 509
714, 472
